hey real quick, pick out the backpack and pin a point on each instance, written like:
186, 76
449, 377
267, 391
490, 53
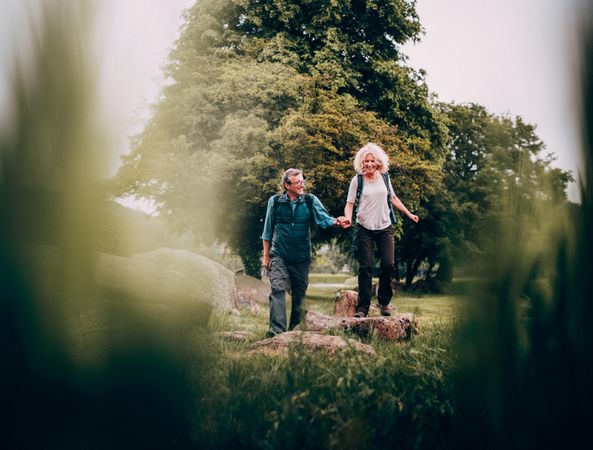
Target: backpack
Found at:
392, 216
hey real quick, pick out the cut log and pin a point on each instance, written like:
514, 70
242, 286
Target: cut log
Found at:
395, 328
309, 341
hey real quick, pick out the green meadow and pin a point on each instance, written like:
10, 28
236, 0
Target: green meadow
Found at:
403, 397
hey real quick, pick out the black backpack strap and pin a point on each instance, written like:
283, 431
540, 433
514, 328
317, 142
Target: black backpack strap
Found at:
392, 215
274, 209
359, 182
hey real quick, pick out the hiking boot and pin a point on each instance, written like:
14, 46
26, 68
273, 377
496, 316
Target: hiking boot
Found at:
360, 315
386, 310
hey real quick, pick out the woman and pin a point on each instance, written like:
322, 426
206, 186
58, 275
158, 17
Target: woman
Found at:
374, 217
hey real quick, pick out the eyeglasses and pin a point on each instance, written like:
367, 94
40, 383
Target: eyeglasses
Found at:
297, 182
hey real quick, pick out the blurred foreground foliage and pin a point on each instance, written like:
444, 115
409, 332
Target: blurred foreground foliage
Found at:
83, 365
526, 369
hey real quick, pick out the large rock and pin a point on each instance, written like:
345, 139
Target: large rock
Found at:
200, 278
395, 328
251, 289
309, 341
345, 304
144, 281
128, 301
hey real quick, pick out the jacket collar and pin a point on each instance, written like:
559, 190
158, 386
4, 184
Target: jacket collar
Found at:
284, 197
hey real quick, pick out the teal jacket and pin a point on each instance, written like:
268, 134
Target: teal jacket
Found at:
290, 229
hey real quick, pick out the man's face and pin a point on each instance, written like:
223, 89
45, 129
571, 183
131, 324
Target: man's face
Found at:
296, 186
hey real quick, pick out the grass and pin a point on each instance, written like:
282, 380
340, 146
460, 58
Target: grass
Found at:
308, 400
328, 277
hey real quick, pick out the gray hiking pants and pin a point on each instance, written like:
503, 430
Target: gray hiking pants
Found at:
281, 276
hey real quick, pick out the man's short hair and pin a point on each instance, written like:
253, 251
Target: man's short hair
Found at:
290, 173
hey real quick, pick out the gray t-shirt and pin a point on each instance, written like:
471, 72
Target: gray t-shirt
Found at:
373, 211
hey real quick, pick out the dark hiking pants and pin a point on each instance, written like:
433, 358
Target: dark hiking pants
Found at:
384, 241
281, 276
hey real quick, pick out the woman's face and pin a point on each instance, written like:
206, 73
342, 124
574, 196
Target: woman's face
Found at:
370, 164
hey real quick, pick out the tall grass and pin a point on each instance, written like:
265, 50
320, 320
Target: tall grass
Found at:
402, 398
525, 377
130, 388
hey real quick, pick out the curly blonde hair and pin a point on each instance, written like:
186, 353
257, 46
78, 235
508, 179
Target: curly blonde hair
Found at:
377, 152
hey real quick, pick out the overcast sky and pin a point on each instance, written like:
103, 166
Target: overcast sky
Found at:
512, 56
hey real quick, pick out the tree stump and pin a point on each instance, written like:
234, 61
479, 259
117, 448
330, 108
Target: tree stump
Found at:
395, 328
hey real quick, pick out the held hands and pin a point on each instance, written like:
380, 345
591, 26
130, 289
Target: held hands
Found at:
342, 222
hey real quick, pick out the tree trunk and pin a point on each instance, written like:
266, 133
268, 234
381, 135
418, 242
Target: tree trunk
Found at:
396, 270
445, 272
412, 270
250, 257
429, 271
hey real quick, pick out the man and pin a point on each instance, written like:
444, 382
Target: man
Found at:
287, 247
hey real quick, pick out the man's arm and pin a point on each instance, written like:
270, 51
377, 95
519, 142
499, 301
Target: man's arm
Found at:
265, 260
321, 216
267, 234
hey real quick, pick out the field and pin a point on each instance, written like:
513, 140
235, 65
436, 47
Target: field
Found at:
403, 397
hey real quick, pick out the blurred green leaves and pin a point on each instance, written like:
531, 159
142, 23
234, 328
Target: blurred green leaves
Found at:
83, 365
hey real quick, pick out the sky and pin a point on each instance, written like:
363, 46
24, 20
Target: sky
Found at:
512, 56
515, 57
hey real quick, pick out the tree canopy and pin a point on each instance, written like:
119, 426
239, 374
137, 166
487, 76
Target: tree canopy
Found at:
259, 86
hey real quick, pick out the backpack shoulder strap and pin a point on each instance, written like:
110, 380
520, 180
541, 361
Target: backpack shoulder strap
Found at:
386, 181
392, 215
359, 183
275, 199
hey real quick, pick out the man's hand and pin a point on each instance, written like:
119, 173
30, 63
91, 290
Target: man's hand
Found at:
265, 261
343, 222
414, 218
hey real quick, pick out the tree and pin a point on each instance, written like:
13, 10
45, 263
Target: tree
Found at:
490, 158
258, 86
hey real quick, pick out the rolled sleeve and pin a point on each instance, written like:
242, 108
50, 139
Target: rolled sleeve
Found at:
322, 217
267, 233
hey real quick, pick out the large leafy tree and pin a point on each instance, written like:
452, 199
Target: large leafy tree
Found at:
261, 85
496, 171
